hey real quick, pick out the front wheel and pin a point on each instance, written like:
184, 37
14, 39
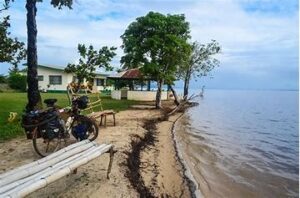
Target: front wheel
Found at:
84, 128
44, 147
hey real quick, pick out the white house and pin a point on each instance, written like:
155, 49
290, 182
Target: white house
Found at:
55, 79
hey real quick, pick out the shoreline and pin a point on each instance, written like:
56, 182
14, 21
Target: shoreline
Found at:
160, 169
188, 176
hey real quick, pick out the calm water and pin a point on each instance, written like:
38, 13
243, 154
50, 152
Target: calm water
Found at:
243, 143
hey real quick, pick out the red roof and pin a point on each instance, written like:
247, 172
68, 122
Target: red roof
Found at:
132, 74
128, 74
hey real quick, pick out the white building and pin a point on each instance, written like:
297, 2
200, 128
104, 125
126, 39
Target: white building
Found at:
55, 79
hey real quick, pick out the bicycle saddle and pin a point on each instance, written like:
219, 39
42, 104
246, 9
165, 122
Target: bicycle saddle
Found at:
50, 102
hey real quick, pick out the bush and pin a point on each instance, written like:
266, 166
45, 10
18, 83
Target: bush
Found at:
17, 81
3, 79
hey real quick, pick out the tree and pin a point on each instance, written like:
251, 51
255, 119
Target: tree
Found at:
33, 95
90, 59
11, 49
17, 81
158, 44
200, 63
3, 79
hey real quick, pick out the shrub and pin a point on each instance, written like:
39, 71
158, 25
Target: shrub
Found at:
3, 79
17, 81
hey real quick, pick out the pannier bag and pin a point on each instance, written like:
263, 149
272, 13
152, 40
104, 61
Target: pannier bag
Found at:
82, 102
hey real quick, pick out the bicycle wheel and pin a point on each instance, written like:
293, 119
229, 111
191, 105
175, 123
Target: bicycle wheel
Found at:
84, 128
44, 147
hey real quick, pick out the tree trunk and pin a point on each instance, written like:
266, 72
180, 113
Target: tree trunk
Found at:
176, 100
33, 94
186, 85
148, 85
158, 94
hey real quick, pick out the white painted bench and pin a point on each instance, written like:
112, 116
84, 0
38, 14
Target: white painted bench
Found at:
26, 179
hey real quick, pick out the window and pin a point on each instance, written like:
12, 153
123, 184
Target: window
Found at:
99, 82
40, 78
55, 80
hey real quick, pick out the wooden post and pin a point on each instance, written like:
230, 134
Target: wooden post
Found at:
148, 85
114, 116
111, 158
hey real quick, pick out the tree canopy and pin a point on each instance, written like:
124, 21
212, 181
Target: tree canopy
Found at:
200, 63
158, 44
11, 49
90, 60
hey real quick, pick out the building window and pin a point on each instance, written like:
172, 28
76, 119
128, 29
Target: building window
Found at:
99, 82
40, 78
55, 80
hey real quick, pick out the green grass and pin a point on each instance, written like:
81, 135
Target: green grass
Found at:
15, 102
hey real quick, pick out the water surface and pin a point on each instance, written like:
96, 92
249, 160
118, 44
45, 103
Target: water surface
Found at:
243, 143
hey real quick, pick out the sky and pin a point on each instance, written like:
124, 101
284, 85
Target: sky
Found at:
259, 38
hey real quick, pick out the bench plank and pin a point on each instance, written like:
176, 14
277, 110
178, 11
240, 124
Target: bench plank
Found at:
28, 183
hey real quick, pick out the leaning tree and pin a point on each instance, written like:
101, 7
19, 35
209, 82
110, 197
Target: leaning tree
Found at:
91, 59
33, 94
158, 44
200, 63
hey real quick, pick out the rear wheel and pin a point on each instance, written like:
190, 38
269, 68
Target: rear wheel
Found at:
84, 128
45, 147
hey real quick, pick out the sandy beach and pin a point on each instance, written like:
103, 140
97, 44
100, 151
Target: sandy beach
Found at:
140, 140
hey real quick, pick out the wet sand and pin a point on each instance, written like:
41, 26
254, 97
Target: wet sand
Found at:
159, 168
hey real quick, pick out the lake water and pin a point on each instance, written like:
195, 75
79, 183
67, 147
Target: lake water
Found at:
242, 143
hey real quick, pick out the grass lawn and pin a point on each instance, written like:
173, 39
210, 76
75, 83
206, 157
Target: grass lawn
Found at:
15, 102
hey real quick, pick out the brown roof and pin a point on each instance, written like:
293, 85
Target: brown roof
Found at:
130, 74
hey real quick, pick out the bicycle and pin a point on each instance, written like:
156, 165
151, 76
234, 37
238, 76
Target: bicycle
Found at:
48, 130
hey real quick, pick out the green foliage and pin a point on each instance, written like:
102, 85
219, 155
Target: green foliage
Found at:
90, 60
202, 60
200, 63
3, 79
11, 49
17, 81
61, 3
158, 44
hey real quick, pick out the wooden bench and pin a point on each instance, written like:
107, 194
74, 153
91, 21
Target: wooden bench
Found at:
26, 179
102, 114
90, 110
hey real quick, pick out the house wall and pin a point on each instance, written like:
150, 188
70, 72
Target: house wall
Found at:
45, 83
145, 95
100, 88
116, 94
66, 79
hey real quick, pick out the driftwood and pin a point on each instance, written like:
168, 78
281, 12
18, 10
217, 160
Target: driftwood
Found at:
31, 177
183, 103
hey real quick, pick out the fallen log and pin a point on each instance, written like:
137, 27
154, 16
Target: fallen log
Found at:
182, 104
